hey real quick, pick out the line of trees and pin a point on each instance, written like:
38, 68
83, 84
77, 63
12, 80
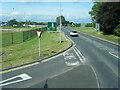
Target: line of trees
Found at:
107, 14
20, 23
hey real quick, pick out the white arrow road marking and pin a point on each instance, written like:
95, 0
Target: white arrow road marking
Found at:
23, 77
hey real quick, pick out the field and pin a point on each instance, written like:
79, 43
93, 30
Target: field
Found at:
92, 31
26, 52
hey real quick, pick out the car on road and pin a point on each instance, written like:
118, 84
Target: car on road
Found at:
73, 33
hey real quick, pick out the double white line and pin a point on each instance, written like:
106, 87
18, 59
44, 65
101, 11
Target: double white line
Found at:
79, 54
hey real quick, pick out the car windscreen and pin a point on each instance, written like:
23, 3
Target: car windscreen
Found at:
74, 31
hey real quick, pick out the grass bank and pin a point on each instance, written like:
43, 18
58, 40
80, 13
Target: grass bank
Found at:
26, 52
92, 31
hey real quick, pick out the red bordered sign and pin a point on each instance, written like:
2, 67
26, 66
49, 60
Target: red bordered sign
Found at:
39, 33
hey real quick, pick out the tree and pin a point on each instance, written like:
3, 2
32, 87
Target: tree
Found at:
63, 21
29, 22
94, 12
12, 22
107, 14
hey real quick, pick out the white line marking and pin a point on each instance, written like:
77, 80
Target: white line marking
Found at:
22, 76
78, 55
96, 77
70, 39
114, 55
72, 64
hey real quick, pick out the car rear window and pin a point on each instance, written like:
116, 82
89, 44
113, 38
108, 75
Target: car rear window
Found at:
74, 31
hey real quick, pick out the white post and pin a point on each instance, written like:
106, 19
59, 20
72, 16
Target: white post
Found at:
98, 27
39, 46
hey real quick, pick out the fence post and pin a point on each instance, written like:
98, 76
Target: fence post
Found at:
12, 37
27, 35
23, 36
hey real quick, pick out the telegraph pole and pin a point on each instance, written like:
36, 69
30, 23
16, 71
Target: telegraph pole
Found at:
60, 23
13, 14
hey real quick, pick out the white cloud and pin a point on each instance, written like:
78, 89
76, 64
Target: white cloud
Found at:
15, 13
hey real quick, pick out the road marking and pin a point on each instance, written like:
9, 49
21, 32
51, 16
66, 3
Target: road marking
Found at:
72, 64
114, 55
70, 59
78, 55
70, 39
69, 56
96, 77
23, 77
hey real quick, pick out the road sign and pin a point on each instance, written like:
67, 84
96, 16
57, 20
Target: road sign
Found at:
39, 33
52, 26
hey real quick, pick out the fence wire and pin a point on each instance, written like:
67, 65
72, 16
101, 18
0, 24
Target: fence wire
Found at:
13, 37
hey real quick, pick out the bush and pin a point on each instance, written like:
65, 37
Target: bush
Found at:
117, 30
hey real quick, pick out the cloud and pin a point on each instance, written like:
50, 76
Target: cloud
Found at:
15, 13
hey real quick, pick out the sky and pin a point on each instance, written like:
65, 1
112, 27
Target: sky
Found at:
73, 11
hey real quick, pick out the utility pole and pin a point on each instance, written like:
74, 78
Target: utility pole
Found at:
60, 23
13, 14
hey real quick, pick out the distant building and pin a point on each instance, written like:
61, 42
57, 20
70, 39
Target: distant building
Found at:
83, 24
3, 24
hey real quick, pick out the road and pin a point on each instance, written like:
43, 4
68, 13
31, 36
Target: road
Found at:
90, 63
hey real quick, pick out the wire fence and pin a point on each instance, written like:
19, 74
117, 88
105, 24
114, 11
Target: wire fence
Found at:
14, 37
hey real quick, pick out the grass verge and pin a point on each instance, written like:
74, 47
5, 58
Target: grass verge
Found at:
92, 31
26, 52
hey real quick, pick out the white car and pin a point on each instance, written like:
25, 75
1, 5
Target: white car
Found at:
73, 33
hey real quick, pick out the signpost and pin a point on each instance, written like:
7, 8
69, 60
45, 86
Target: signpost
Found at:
97, 27
52, 26
39, 33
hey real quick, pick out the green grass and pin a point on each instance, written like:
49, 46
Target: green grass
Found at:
7, 38
91, 31
83, 28
13, 37
26, 52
